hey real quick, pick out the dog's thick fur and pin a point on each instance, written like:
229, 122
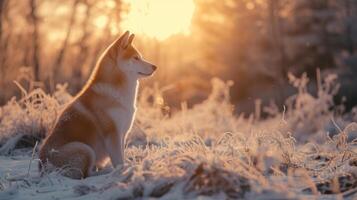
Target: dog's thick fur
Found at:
91, 130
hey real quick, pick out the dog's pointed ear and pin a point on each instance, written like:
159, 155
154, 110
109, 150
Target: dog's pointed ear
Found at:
122, 42
131, 38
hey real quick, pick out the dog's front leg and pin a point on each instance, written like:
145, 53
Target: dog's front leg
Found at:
115, 149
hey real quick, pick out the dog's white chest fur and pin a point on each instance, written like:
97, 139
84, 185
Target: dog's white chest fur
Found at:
122, 118
123, 114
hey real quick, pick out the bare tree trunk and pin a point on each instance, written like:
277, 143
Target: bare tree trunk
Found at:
1, 51
277, 36
2, 11
83, 48
59, 60
2, 3
35, 40
349, 39
118, 12
4, 41
278, 45
281, 47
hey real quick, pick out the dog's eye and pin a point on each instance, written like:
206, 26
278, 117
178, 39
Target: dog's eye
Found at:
136, 58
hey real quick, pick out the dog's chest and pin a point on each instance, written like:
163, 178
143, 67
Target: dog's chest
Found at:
124, 100
122, 118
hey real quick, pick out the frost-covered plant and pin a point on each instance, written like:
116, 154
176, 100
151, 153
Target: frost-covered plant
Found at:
310, 116
208, 119
30, 117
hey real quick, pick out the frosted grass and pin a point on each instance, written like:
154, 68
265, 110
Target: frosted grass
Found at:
206, 152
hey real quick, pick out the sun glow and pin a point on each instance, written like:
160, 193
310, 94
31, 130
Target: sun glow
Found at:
159, 18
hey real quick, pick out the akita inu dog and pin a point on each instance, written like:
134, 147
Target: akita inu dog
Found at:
92, 128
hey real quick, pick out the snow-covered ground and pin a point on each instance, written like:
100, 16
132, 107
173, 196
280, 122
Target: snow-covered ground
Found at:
205, 152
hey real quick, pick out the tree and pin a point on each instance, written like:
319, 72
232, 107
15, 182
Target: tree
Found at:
2, 3
34, 20
57, 66
308, 37
349, 22
2, 57
277, 36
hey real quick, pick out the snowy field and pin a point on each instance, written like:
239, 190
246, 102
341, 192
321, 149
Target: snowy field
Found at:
205, 152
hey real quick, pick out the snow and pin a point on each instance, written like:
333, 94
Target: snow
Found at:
204, 152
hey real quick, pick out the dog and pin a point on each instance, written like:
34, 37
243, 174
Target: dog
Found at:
91, 130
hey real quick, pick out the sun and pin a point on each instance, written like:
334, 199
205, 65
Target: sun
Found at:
159, 18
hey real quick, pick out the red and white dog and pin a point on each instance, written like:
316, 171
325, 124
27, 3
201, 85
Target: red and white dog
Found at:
93, 127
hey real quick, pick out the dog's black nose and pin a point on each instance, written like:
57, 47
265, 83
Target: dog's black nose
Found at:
154, 67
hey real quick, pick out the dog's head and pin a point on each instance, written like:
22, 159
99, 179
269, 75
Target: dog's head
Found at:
124, 56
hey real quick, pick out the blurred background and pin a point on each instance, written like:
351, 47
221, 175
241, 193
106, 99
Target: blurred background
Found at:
254, 43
